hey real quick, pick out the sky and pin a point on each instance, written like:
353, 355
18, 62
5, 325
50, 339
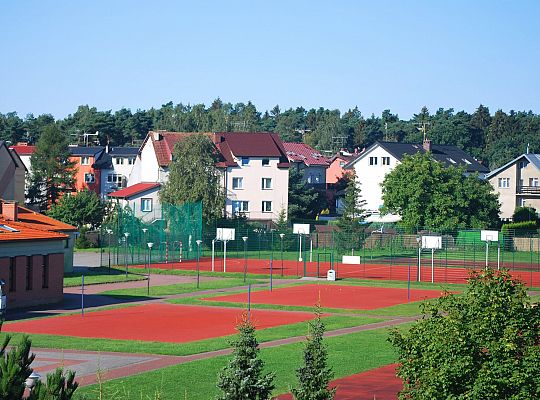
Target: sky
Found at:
400, 55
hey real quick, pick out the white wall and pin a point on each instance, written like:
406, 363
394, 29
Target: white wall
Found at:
252, 192
146, 167
370, 177
119, 169
135, 204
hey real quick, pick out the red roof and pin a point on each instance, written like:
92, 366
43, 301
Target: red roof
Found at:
164, 146
23, 150
250, 144
31, 225
301, 152
133, 190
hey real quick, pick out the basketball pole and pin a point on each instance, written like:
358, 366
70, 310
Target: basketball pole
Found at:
213, 252
487, 252
432, 266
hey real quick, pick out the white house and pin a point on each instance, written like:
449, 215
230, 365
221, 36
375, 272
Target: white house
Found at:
116, 164
372, 165
254, 169
309, 162
142, 198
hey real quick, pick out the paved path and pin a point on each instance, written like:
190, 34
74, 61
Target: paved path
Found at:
88, 259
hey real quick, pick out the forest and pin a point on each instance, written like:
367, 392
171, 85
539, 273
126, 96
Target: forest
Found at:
493, 139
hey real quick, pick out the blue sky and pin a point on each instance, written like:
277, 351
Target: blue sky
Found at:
401, 55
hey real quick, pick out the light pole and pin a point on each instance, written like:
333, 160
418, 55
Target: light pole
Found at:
126, 234
144, 241
245, 238
198, 257
32, 380
150, 245
418, 240
281, 235
109, 232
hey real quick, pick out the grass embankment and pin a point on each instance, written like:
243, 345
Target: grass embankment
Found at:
100, 275
348, 354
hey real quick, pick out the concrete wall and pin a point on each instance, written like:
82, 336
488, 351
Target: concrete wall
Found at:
20, 295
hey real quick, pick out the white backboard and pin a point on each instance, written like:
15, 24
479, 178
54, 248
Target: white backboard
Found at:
350, 260
432, 242
489, 236
301, 229
225, 234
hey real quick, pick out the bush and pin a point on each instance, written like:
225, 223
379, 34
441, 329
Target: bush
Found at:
525, 214
524, 228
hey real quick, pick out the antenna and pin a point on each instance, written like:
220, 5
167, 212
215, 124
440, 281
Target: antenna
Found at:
85, 135
422, 127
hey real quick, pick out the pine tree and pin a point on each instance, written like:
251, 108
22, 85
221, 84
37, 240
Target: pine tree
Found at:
242, 378
52, 170
315, 375
59, 386
14, 368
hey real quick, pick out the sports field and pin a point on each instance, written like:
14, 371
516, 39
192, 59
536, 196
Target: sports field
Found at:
332, 296
155, 322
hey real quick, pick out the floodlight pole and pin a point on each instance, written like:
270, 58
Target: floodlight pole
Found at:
213, 249
144, 241
109, 232
150, 245
310, 249
245, 238
198, 257
281, 235
224, 255
418, 240
126, 234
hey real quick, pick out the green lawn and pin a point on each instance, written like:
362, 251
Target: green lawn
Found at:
348, 354
100, 275
180, 349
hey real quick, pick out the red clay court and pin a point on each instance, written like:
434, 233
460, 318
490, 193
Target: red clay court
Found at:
155, 322
332, 296
380, 384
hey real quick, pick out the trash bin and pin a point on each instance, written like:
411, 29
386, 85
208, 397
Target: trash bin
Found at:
331, 275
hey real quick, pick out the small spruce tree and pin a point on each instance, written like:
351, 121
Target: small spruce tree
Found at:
243, 377
315, 375
59, 386
353, 213
14, 368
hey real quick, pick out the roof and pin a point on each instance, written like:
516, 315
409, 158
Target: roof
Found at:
445, 154
23, 150
31, 225
134, 190
345, 156
164, 141
13, 155
85, 150
104, 161
532, 158
123, 151
302, 153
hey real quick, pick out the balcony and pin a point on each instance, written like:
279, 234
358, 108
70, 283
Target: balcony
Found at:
528, 190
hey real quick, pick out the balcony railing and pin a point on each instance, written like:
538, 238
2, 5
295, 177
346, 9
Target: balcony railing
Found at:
528, 189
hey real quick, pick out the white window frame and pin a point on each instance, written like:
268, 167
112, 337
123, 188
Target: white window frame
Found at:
265, 162
504, 183
266, 206
241, 205
146, 201
85, 160
119, 160
239, 180
385, 160
263, 184
533, 182
373, 161
115, 178
131, 161
244, 161
521, 202
87, 175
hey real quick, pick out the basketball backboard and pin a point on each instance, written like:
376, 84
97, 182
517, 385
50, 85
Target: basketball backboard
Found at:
225, 234
432, 242
489, 236
302, 229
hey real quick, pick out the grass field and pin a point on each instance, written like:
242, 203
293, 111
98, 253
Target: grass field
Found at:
348, 354
101, 275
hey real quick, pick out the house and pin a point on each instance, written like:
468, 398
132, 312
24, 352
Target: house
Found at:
517, 183
34, 250
12, 174
142, 198
372, 165
115, 165
87, 176
336, 166
309, 162
25, 151
254, 169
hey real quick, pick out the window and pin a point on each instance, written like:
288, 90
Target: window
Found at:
451, 160
521, 202
12, 275
372, 160
245, 160
522, 164
240, 206
131, 161
85, 160
385, 160
45, 272
146, 205
266, 206
114, 178
119, 160
342, 164
504, 182
237, 183
89, 178
533, 182
29, 273
265, 162
266, 183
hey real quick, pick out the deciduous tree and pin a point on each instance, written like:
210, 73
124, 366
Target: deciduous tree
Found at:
82, 209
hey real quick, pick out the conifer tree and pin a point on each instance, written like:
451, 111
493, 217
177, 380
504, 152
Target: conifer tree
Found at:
353, 213
243, 377
315, 375
59, 386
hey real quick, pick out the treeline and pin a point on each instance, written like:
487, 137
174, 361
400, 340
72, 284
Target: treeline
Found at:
493, 139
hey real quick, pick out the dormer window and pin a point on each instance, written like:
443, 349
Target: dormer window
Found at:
245, 160
265, 162
85, 160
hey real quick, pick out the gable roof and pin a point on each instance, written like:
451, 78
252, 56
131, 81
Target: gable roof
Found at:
302, 153
13, 155
23, 150
532, 158
164, 141
134, 190
85, 150
445, 154
104, 161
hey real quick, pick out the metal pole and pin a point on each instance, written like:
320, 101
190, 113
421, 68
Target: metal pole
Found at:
310, 249
300, 248
245, 260
109, 253
213, 248
271, 262
419, 264
409, 282
198, 258
432, 266
498, 256
148, 272
487, 252
82, 296
125, 257
249, 302
282, 256
224, 256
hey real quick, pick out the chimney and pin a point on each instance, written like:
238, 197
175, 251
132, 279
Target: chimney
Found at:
157, 136
10, 210
427, 145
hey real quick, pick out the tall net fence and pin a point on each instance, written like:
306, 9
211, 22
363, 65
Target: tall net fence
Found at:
167, 234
